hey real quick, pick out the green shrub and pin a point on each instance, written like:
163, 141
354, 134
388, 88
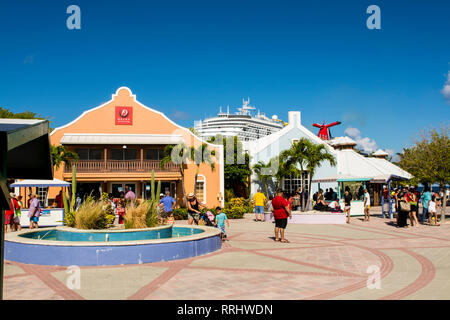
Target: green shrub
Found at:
143, 215
180, 214
237, 207
92, 215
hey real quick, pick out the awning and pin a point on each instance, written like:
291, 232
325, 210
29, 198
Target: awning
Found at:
124, 139
41, 183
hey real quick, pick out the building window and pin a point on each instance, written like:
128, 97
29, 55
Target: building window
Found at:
42, 196
89, 154
154, 154
200, 186
123, 154
292, 183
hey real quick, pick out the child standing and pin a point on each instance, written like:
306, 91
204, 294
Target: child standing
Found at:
220, 222
432, 210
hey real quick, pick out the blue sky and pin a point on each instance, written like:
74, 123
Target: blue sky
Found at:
186, 58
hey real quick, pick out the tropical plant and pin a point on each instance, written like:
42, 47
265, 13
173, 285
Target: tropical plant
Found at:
236, 168
145, 214
201, 154
179, 152
92, 215
69, 210
316, 154
60, 154
142, 216
237, 207
262, 170
303, 156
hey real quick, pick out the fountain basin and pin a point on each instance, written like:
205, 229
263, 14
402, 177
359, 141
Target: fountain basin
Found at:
63, 246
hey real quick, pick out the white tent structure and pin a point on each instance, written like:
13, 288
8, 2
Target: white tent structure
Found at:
40, 183
354, 167
351, 166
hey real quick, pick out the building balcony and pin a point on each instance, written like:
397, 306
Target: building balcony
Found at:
120, 167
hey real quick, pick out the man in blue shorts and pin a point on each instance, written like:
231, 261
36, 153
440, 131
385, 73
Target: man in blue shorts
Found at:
168, 205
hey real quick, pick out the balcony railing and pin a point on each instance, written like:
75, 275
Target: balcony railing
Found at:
120, 166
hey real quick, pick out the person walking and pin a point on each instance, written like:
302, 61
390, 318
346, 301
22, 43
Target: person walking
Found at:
259, 200
221, 218
366, 205
34, 211
426, 197
433, 219
281, 212
194, 208
347, 202
412, 197
168, 205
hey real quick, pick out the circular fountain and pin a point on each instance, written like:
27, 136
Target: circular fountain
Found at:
64, 246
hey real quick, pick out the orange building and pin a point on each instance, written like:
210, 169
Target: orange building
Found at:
120, 142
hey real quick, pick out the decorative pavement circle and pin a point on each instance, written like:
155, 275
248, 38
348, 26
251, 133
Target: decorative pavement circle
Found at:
320, 262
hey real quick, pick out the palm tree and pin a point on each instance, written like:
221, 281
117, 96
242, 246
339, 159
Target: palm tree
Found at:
264, 173
181, 154
201, 155
315, 155
60, 154
295, 159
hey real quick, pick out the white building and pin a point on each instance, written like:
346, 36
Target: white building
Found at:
243, 124
352, 169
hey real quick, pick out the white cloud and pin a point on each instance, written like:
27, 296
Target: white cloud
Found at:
366, 144
352, 132
446, 89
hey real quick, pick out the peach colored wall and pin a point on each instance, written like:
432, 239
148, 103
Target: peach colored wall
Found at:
145, 121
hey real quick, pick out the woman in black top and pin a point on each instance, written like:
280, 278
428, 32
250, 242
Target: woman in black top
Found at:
193, 209
347, 205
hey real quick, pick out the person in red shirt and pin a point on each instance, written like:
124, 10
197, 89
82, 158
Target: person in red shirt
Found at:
9, 214
281, 211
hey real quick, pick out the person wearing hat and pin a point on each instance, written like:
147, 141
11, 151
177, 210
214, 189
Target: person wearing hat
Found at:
281, 211
34, 211
193, 208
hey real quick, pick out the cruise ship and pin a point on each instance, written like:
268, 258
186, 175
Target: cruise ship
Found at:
246, 124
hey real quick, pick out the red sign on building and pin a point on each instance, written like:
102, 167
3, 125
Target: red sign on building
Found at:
124, 115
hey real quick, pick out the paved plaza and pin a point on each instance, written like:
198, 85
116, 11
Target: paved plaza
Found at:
320, 262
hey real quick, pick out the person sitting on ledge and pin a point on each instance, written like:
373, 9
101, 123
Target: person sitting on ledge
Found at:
320, 205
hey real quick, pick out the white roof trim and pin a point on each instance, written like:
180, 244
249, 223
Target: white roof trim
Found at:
100, 138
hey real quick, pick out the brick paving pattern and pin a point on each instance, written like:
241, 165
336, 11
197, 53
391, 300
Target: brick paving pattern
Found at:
320, 262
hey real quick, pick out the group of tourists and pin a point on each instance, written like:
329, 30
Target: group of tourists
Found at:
407, 201
13, 215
